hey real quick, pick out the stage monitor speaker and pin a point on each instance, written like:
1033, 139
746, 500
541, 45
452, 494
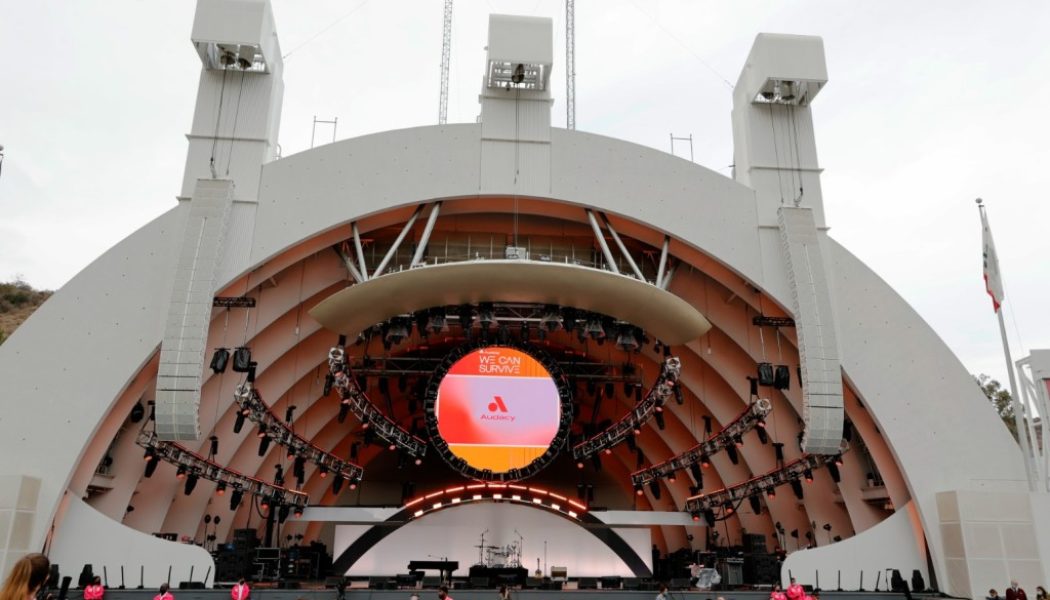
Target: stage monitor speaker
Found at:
63, 591
918, 584
191, 585
611, 583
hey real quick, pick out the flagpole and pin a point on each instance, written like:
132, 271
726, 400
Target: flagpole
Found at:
1019, 423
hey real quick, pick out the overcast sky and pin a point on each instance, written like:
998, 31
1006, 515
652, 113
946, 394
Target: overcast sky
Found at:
930, 104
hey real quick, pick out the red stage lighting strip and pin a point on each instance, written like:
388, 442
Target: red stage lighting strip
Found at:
480, 492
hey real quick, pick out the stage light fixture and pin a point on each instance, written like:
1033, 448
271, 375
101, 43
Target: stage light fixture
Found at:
191, 483
594, 329
672, 478
698, 474
738, 440
838, 461
756, 506
282, 513
778, 450
289, 414
808, 474
151, 467
337, 483
264, 445
727, 506
298, 512
763, 437
754, 386
278, 476
137, 413
638, 489
732, 454
219, 360
262, 430
707, 425
833, 470
626, 339
771, 493
796, 486
437, 321
695, 516
678, 396
242, 359
659, 417
235, 499
486, 315
654, 489
709, 516
220, 489
180, 473
596, 462
705, 460
354, 483
632, 445
150, 454
322, 471
214, 445
344, 411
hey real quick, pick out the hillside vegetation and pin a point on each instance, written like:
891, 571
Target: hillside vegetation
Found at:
18, 300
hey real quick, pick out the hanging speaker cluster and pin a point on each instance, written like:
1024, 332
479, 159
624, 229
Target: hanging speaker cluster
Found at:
242, 360
775, 376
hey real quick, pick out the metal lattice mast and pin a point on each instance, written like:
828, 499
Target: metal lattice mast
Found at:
446, 50
570, 64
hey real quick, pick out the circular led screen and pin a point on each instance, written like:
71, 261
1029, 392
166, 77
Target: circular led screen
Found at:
497, 410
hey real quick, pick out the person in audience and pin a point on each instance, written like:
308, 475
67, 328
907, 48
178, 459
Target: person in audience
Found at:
1040, 593
94, 591
992, 595
27, 577
240, 590
1015, 592
164, 593
662, 592
504, 593
795, 591
777, 593
443, 593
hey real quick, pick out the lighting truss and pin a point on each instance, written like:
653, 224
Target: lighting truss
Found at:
196, 464
638, 416
764, 321
494, 492
253, 407
359, 404
752, 417
761, 484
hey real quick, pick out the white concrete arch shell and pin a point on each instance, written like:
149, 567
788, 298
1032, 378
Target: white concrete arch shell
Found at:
73, 371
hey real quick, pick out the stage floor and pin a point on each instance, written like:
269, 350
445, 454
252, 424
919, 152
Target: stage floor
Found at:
429, 594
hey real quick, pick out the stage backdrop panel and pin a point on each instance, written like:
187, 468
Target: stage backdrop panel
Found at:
454, 533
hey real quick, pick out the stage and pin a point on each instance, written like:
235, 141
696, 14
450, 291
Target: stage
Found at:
364, 593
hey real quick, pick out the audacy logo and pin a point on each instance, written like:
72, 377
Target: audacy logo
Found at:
497, 411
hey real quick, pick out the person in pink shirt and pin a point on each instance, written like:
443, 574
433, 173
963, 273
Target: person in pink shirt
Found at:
240, 590
795, 591
164, 593
443, 593
777, 593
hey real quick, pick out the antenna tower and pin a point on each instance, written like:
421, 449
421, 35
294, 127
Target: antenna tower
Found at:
570, 64
446, 50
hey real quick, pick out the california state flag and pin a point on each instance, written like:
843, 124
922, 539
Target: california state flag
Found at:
993, 277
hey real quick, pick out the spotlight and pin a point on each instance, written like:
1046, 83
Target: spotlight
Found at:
763, 437
727, 506
137, 413
695, 515
219, 360
264, 445
354, 483
698, 474
486, 315
738, 440
610, 389
551, 318
322, 471
220, 489
214, 445
771, 493
264, 504
778, 449
282, 513
705, 460
579, 464
151, 467
191, 483
678, 397
596, 462
568, 318
654, 489
235, 498
756, 506
329, 381
396, 332
808, 474
180, 473
151, 454
344, 411
289, 413
732, 454
659, 416
438, 321
709, 516
638, 489
626, 340
632, 445
298, 512
833, 470
337, 483
392, 447
796, 486
594, 329
262, 430
672, 478
519, 75
419, 461
838, 460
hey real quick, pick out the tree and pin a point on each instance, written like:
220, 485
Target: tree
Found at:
1000, 399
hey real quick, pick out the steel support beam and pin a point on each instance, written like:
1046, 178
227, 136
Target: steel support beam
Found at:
623, 249
425, 238
397, 243
601, 242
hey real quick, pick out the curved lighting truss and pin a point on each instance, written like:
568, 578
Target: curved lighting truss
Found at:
752, 417
253, 408
639, 415
792, 473
359, 404
195, 465
459, 464
494, 492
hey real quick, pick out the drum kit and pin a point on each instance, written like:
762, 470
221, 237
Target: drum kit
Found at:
498, 557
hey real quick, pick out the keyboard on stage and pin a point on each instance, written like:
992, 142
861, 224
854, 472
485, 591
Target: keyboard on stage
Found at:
445, 566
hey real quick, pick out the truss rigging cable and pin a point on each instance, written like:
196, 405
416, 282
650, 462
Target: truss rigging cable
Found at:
218, 118
236, 115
